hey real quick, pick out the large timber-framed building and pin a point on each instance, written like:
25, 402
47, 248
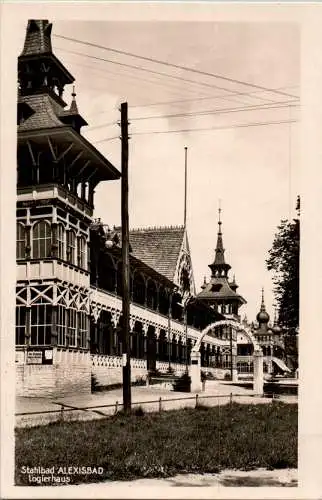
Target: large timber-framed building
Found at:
68, 295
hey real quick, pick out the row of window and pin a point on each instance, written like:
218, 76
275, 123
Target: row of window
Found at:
72, 326
70, 247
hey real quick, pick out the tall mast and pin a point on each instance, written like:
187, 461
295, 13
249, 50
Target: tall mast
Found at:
185, 187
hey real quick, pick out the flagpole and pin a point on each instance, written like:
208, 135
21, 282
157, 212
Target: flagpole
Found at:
185, 187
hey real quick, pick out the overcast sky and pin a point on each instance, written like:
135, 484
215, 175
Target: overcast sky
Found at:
252, 169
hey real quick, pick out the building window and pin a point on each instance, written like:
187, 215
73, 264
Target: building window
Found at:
41, 240
20, 324
71, 246
21, 241
81, 252
82, 329
61, 241
72, 327
61, 326
41, 321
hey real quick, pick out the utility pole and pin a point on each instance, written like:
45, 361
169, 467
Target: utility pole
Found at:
126, 361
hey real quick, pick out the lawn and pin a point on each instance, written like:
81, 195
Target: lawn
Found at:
126, 447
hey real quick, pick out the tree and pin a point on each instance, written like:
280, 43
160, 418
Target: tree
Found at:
283, 260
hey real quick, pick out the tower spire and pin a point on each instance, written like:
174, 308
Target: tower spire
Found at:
219, 267
263, 302
262, 317
73, 106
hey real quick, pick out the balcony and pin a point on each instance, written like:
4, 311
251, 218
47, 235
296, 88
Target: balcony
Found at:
112, 302
50, 269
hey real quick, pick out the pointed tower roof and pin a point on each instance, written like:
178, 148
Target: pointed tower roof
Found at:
38, 37
262, 317
219, 266
218, 289
39, 70
41, 115
71, 116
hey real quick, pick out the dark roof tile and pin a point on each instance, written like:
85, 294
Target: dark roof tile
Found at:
158, 247
45, 113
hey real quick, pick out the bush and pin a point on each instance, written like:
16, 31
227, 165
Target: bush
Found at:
94, 383
183, 383
139, 411
139, 382
227, 376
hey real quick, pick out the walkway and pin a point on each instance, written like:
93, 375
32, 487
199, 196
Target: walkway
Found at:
230, 478
216, 393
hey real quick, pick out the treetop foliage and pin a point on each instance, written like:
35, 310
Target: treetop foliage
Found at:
283, 260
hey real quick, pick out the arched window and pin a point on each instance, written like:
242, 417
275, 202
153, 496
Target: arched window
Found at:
61, 241
71, 246
81, 252
21, 241
41, 240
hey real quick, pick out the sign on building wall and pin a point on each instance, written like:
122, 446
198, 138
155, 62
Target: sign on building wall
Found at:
40, 357
34, 357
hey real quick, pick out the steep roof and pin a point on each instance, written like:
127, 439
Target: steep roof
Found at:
45, 112
38, 37
218, 288
158, 247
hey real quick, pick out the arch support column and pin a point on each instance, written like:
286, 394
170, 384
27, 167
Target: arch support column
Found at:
258, 373
195, 371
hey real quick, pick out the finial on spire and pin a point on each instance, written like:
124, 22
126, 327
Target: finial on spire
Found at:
263, 302
262, 316
219, 213
73, 106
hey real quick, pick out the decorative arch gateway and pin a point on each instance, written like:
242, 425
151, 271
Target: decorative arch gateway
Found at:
235, 325
195, 366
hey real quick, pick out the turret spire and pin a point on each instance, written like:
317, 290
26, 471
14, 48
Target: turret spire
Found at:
262, 316
219, 267
39, 70
73, 106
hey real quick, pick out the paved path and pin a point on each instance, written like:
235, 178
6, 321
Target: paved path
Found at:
216, 393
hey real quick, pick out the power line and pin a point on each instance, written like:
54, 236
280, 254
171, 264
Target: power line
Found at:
197, 99
163, 103
242, 125
204, 84
172, 65
171, 85
218, 111
108, 139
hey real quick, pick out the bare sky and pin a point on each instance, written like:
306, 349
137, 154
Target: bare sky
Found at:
253, 169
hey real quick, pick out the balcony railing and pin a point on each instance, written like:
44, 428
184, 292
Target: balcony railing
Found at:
112, 302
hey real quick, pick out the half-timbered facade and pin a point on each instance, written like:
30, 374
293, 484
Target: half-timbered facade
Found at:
69, 265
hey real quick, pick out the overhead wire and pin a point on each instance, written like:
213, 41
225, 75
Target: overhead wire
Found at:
218, 111
198, 99
164, 103
195, 82
202, 129
172, 65
171, 85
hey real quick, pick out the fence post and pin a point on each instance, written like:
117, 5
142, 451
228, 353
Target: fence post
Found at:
160, 404
62, 412
116, 406
231, 398
197, 400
